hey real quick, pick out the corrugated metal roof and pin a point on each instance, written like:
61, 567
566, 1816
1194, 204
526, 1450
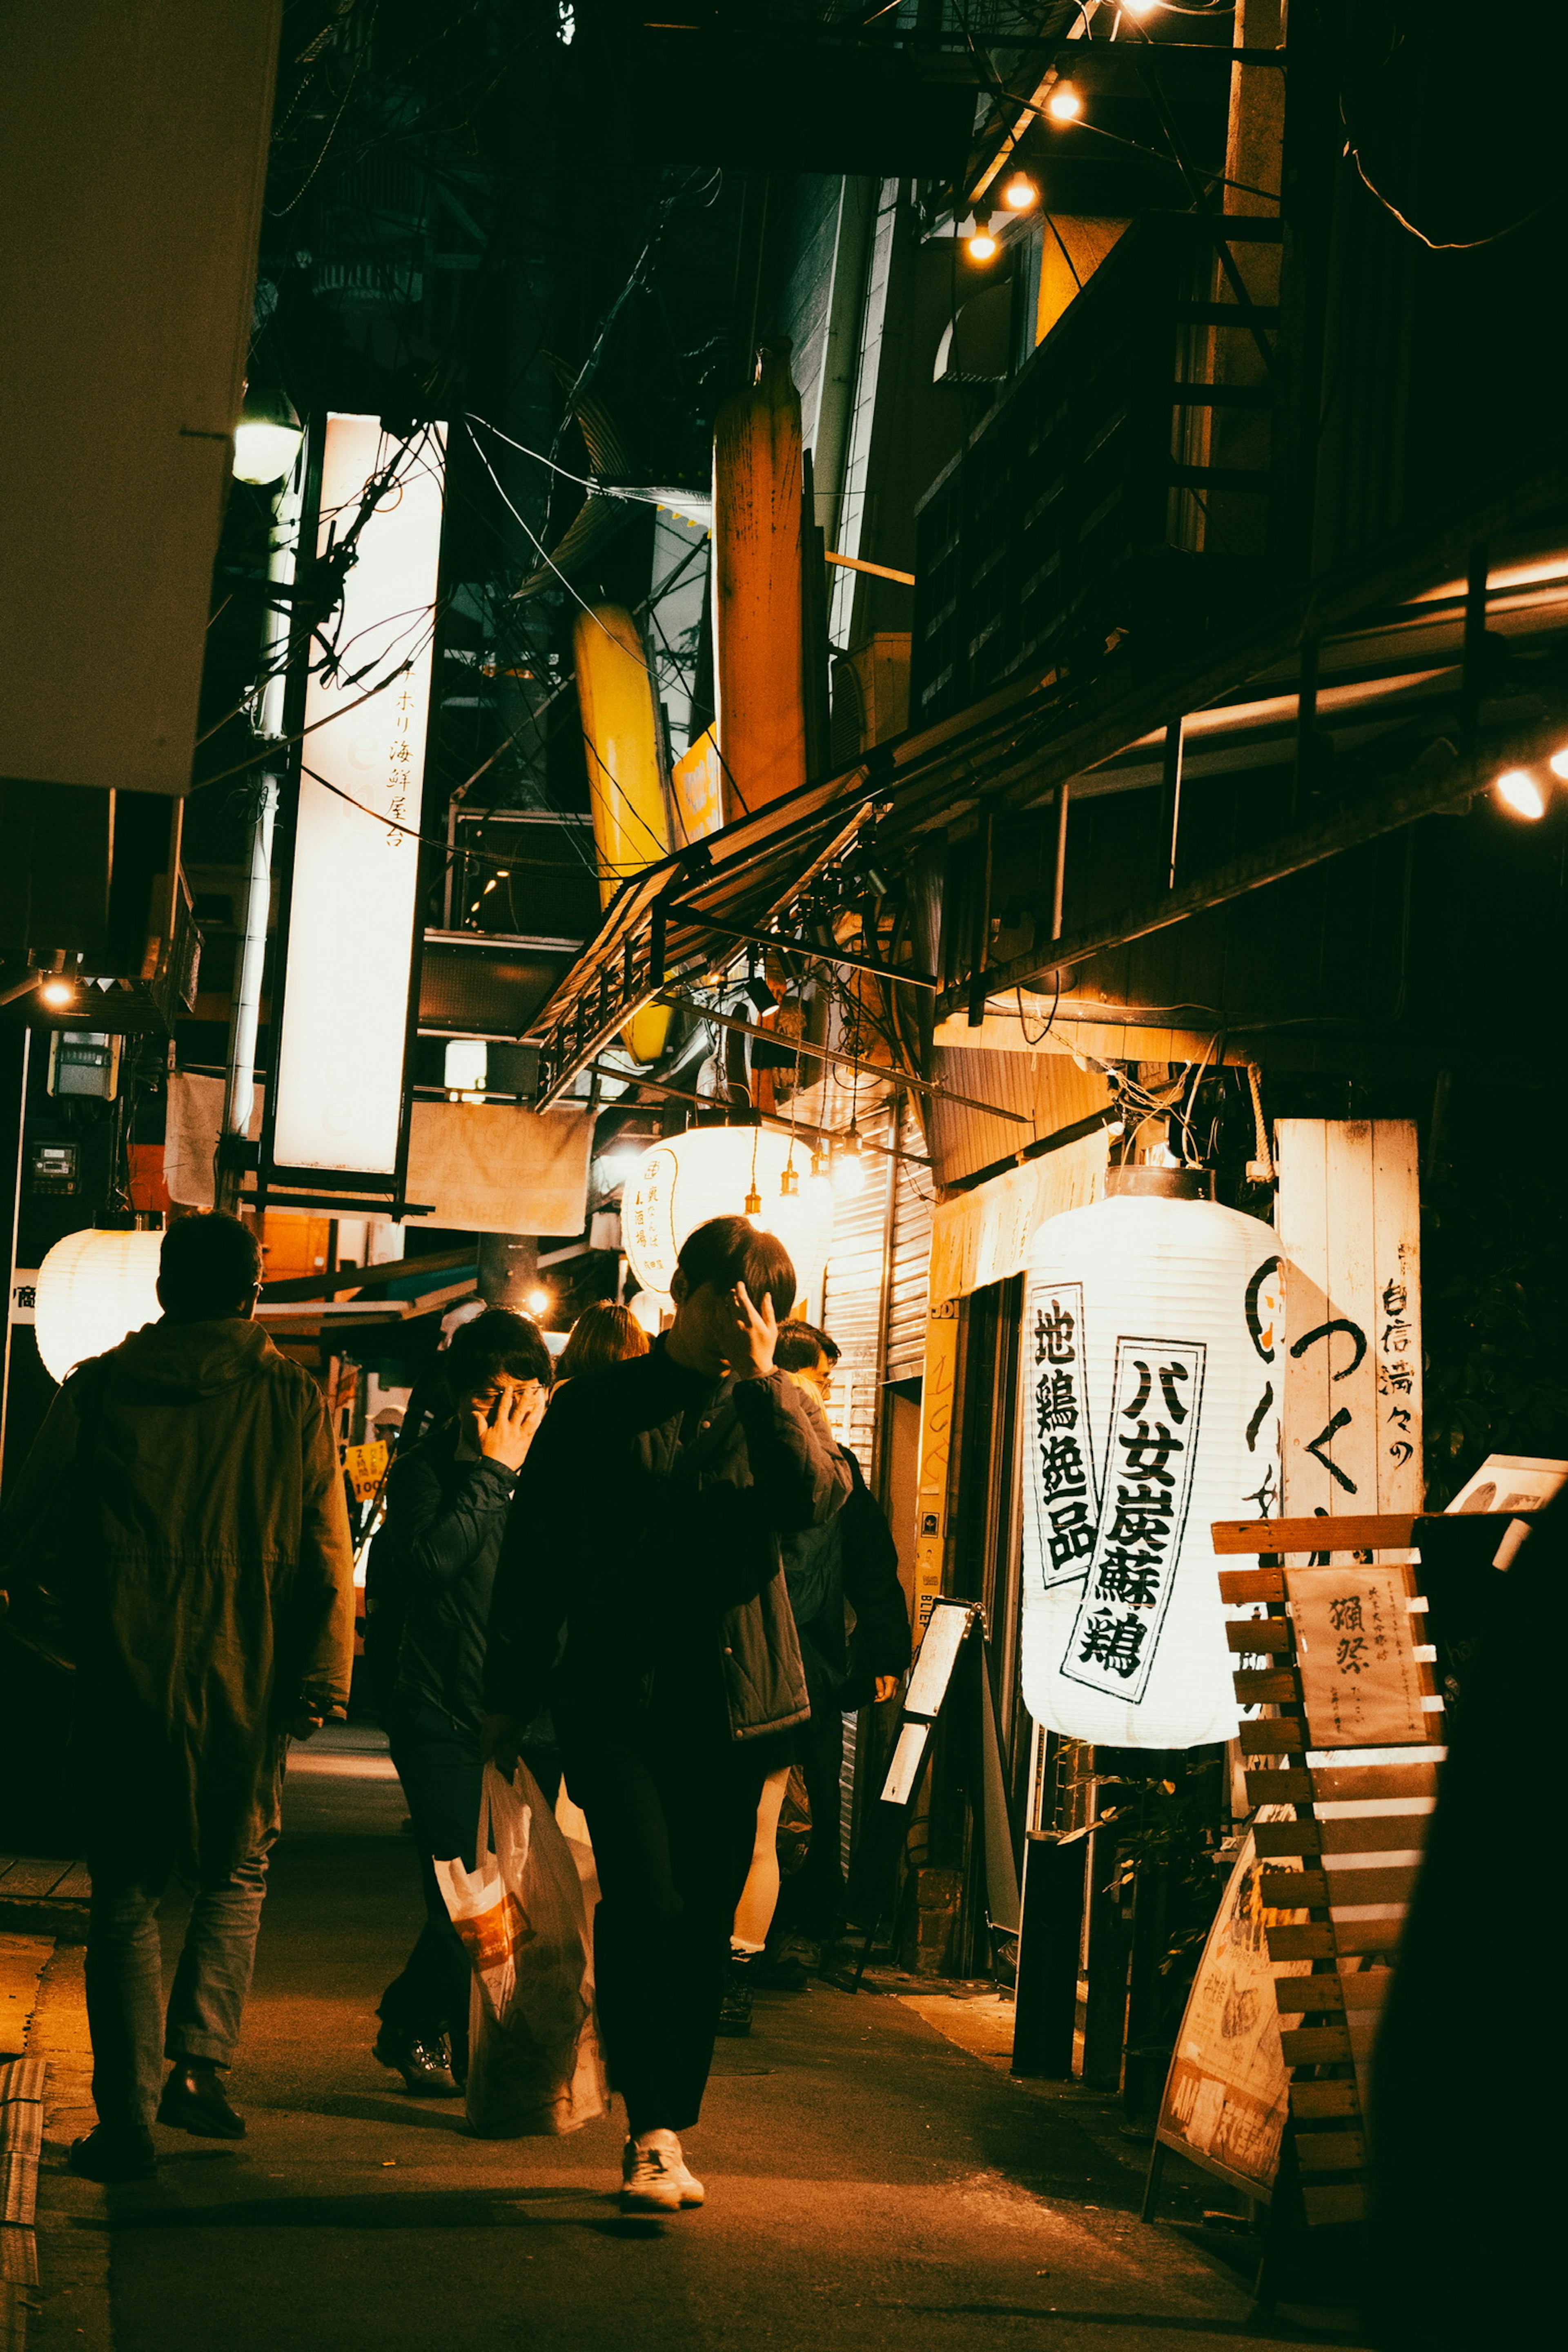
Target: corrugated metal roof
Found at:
1049, 1089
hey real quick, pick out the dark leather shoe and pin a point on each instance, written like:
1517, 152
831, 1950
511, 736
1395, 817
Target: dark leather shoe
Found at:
114, 2152
422, 2063
194, 2101
735, 2009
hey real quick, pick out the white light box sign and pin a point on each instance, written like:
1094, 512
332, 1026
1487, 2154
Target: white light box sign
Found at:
1151, 1391
352, 898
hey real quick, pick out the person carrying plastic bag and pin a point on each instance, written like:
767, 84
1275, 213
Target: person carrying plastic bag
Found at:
524, 1916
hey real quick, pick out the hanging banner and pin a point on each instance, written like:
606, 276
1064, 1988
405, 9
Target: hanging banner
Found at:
1349, 1217
1150, 1410
338, 1103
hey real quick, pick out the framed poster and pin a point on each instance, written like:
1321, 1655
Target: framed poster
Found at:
1227, 2096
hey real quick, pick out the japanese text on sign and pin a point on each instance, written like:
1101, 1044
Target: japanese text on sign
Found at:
1060, 1485
1155, 1412
1354, 1644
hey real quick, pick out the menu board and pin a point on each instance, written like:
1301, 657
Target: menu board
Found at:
1227, 2096
1356, 1650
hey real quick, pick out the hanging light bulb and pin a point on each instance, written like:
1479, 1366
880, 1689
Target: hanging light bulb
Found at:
1557, 764
754, 1204
1064, 104
849, 1169
980, 245
1139, 9
266, 438
1019, 193
57, 994
789, 1182
1516, 788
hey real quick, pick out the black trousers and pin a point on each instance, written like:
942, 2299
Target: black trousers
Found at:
440, 1771
811, 1900
673, 1819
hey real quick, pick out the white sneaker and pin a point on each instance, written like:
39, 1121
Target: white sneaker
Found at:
654, 2175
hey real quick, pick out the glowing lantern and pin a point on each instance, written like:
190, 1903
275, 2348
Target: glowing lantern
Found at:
93, 1288
710, 1171
1152, 1408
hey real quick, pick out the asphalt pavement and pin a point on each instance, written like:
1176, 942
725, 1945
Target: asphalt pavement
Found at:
872, 2187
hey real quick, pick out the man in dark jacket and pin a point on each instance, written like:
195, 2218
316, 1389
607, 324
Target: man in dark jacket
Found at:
192, 1485
646, 1529
851, 1560
428, 1597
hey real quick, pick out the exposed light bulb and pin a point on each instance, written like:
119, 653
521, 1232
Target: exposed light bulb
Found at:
1557, 764
57, 992
754, 1204
1516, 788
1064, 104
1019, 193
1139, 8
539, 1302
266, 438
848, 1168
980, 245
789, 1182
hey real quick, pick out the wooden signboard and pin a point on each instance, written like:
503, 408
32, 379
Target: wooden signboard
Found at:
1349, 1220
1286, 1997
1227, 2099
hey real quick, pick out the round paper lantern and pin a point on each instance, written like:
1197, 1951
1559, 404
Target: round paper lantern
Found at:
1151, 1408
710, 1171
94, 1288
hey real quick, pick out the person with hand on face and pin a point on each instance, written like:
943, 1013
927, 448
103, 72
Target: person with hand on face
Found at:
188, 1485
427, 1599
852, 1560
641, 1596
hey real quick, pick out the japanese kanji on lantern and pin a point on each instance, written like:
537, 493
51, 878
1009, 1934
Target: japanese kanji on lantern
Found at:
1152, 1404
713, 1171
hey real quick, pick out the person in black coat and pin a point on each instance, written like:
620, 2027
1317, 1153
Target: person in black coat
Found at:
641, 1597
852, 1560
428, 1598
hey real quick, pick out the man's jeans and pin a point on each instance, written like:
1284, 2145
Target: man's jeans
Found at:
125, 1975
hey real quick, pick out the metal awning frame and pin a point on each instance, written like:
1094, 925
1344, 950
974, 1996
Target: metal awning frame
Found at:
1011, 752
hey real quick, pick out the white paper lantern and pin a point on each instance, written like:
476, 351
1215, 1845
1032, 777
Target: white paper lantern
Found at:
1152, 1405
94, 1288
710, 1171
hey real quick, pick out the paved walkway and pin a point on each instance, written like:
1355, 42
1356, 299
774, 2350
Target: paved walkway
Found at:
872, 2185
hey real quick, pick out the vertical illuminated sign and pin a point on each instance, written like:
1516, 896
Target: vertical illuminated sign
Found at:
353, 902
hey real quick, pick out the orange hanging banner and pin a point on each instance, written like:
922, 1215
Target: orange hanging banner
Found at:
757, 623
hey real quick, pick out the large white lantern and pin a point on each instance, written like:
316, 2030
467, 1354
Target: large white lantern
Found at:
93, 1288
712, 1171
1152, 1404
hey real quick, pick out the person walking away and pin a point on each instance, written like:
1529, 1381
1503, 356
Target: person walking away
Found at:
428, 1597
192, 1485
647, 1532
603, 1335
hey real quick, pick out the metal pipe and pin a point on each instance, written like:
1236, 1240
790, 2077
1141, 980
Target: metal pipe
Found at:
1064, 791
239, 1078
244, 1013
1170, 778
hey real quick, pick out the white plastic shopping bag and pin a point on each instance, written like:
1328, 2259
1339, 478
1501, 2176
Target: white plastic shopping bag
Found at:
525, 1915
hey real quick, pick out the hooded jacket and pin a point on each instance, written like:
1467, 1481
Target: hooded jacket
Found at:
193, 1470
647, 1532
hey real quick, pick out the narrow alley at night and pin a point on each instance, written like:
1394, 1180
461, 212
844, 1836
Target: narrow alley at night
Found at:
869, 2174
784, 1465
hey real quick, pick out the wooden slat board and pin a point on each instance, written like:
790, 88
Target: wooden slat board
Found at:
1311, 1867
